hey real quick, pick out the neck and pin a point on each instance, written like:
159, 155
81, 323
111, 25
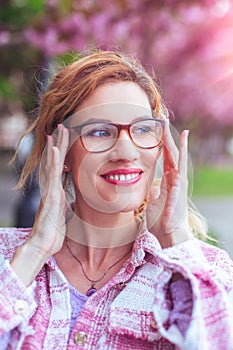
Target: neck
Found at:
100, 230
98, 258
99, 245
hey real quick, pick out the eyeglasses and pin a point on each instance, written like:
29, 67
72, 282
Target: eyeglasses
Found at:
102, 136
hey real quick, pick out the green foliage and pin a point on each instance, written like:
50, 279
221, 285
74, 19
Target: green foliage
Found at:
19, 12
213, 239
7, 90
213, 181
66, 58
17, 57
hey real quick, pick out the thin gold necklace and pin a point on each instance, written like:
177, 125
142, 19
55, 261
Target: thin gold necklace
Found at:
92, 290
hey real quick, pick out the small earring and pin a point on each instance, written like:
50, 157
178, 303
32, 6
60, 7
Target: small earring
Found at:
65, 167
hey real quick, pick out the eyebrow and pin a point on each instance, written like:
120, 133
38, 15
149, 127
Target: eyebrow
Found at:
94, 120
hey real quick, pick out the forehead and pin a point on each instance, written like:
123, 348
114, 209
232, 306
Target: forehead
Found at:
109, 112
117, 92
119, 101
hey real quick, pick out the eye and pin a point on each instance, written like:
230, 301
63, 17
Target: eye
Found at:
141, 129
99, 131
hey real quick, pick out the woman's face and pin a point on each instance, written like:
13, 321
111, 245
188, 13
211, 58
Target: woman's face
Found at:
118, 179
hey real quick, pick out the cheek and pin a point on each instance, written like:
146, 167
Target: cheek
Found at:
85, 167
76, 160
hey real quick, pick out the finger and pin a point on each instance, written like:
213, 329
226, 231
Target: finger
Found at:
169, 147
64, 145
62, 142
169, 143
183, 154
52, 194
50, 144
54, 204
55, 173
60, 129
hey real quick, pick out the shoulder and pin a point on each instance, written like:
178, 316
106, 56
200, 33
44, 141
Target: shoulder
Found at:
203, 258
11, 238
219, 259
214, 254
197, 249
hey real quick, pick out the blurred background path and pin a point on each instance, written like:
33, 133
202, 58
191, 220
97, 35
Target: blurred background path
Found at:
219, 214
8, 196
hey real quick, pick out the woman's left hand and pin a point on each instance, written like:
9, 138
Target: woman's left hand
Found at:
167, 210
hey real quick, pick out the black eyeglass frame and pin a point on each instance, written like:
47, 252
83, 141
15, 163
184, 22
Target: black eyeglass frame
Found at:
120, 127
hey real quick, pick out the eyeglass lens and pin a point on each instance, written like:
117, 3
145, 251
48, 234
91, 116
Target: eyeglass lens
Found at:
99, 137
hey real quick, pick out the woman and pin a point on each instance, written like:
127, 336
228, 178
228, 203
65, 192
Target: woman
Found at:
89, 274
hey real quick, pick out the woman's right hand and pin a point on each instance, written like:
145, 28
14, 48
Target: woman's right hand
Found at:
49, 228
167, 210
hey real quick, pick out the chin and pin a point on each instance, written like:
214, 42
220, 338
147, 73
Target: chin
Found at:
133, 205
112, 202
122, 206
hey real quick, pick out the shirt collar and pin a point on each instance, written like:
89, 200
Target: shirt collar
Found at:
145, 242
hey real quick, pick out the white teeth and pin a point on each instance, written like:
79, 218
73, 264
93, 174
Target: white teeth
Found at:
122, 177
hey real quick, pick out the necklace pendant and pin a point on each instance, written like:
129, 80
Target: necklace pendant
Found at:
91, 291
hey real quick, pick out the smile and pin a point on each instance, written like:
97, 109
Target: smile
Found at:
123, 178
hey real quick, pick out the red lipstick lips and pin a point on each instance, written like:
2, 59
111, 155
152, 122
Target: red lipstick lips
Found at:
123, 176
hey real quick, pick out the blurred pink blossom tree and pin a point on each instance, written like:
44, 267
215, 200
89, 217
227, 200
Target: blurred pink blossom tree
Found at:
188, 44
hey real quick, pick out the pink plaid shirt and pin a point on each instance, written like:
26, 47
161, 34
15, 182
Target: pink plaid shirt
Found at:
132, 311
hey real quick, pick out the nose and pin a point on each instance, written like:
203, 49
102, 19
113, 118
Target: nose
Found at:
124, 148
